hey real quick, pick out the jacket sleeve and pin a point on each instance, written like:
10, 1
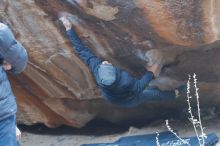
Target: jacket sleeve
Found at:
84, 53
142, 83
17, 57
11, 50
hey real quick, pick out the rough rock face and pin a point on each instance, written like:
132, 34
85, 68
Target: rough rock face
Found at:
57, 87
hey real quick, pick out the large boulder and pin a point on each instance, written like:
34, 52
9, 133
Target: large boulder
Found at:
57, 87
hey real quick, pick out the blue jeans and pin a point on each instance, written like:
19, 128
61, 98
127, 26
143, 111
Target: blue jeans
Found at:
155, 94
149, 94
8, 132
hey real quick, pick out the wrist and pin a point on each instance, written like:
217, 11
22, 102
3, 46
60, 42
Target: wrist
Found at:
68, 28
150, 72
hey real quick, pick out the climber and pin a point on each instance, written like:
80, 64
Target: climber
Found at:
13, 59
117, 85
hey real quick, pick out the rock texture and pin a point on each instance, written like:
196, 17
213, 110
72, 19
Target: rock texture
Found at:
57, 87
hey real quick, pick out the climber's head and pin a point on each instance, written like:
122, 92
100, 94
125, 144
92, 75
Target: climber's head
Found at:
106, 74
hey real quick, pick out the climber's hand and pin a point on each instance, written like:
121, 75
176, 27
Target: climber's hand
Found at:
155, 68
67, 24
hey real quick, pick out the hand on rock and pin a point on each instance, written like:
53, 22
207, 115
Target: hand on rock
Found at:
155, 68
67, 24
69, 19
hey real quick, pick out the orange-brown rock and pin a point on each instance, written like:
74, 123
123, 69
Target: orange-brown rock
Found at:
57, 87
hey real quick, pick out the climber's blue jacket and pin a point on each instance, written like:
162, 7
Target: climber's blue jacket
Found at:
15, 54
124, 88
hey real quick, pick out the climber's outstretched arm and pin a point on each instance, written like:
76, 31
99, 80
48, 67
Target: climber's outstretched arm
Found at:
84, 52
142, 83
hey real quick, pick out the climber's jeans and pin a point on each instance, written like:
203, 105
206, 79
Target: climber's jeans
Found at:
8, 132
150, 94
155, 94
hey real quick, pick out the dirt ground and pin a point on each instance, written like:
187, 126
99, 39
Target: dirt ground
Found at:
66, 136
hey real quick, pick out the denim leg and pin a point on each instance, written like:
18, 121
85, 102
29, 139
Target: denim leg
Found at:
155, 94
8, 131
150, 94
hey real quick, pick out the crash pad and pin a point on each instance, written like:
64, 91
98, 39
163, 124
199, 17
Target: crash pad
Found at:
165, 139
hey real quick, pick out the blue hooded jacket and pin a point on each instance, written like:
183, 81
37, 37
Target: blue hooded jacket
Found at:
124, 88
15, 54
